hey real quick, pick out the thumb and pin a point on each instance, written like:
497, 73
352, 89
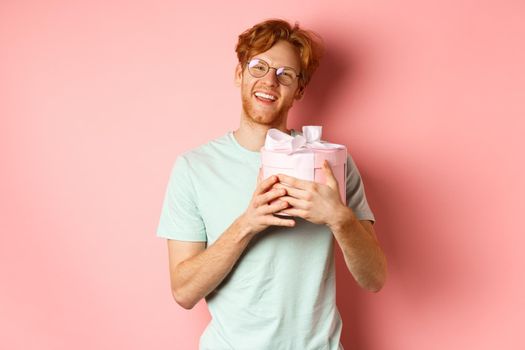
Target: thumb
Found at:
331, 181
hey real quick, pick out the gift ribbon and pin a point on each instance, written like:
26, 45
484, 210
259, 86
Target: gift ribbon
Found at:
276, 140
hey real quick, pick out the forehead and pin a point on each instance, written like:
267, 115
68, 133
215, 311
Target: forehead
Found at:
282, 54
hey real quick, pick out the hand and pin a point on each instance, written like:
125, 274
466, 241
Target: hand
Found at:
312, 201
259, 214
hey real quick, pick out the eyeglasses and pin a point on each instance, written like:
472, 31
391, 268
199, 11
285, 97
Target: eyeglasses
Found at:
258, 68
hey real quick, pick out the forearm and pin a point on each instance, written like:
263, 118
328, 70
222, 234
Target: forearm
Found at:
201, 274
362, 253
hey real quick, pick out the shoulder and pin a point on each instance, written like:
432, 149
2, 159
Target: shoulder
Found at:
205, 152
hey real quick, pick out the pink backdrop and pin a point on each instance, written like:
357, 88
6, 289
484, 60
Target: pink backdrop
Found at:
97, 98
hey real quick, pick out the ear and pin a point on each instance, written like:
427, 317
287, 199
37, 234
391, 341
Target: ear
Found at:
299, 93
238, 75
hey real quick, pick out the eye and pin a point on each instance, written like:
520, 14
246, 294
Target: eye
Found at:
286, 73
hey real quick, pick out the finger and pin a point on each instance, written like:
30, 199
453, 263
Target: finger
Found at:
295, 182
294, 212
273, 220
296, 203
272, 208
266, 184
331, 181
264, 198
294, 192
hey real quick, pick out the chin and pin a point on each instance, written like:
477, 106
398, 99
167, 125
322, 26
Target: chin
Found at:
265, 119
262, 116
268, 118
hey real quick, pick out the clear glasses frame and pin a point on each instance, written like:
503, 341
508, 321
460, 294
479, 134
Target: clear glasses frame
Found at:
258, 68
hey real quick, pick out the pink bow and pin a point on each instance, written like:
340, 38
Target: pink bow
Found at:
276, 140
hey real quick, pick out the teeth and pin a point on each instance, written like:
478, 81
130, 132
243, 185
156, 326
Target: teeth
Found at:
266, 96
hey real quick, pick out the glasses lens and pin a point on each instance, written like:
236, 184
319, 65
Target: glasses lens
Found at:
257, 68
285, 76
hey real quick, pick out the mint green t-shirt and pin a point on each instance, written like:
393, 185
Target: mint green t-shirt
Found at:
280, 295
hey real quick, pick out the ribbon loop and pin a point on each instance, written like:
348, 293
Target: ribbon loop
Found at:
276, 140
312, 133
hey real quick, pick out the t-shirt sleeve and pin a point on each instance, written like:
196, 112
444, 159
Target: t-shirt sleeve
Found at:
180, 218
355, 192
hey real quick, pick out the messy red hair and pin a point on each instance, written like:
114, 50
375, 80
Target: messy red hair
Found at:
264, 35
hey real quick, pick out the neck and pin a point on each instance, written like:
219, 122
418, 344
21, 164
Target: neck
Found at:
251, 135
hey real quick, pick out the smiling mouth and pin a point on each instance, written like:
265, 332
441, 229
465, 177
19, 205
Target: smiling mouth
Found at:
265, 98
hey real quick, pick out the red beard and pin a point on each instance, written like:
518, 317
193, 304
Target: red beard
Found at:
265, 117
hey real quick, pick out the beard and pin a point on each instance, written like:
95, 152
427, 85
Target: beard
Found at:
269, 117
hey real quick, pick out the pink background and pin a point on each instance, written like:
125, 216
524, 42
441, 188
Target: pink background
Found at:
98, 97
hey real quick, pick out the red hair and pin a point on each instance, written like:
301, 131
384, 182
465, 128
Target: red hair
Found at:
264, 35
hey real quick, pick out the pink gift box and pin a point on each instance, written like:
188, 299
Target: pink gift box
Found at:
303, 156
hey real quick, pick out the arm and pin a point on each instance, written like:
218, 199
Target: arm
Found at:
196, 271
321, 204
202, 270
363, 255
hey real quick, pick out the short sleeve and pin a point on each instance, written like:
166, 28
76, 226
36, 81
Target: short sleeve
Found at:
180, 218
355, 192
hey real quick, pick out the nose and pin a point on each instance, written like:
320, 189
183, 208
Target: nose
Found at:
271, 77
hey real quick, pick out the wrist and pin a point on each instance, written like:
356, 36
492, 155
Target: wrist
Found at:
341, 218
242, 229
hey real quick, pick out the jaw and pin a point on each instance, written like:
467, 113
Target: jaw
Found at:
265, 115
272, 114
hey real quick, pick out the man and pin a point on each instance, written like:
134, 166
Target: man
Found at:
269, 281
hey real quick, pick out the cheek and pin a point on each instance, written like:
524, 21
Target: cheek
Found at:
289, 100
247, 86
